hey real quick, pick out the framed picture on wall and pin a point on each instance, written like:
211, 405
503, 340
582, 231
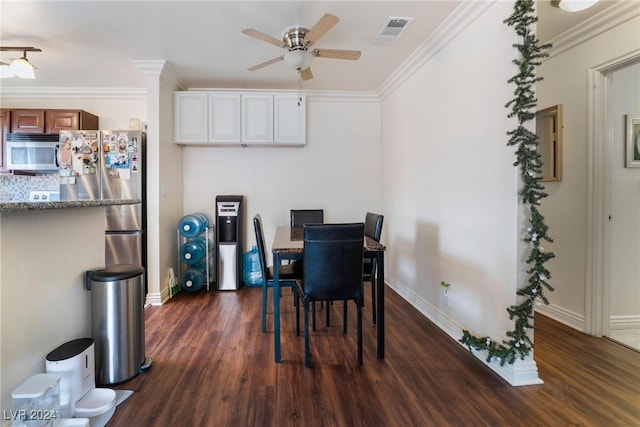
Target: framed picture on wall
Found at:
633, 141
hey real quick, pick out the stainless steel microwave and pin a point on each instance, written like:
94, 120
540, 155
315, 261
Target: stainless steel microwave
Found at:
32, 152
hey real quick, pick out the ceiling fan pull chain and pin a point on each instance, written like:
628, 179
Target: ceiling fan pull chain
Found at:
299, 88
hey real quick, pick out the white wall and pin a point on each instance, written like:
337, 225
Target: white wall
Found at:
565, 82
338, 169
43, 301
449, 187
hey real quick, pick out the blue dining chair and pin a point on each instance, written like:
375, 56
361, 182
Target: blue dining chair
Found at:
288, 274
333, 255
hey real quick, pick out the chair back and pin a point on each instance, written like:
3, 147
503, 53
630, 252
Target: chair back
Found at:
300, 217
333, 256
257, 225
373, 226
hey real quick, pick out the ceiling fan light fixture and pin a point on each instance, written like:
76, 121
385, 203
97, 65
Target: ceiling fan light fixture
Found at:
5, 71
22, 68
573, 5
298, 59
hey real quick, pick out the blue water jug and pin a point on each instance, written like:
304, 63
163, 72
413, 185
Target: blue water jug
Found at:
252, 274
202, 241
192, 251
193, 225
192, 280
200, 265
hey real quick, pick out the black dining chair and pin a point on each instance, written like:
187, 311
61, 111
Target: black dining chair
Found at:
373, 230
333, 255
300, 217
287, 273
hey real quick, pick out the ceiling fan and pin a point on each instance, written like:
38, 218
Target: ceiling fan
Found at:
297, 41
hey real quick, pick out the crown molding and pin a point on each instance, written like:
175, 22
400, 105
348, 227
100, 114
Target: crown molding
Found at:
604, 21
451, 27
7, 93
161, 69
312, 95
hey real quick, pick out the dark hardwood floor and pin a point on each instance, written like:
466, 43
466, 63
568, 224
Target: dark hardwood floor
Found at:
214, 367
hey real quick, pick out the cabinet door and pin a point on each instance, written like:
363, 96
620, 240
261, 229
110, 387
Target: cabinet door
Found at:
88, 121
57, 120
27, 121
190, 117
224, 118
4, 128
290, 119
257, 118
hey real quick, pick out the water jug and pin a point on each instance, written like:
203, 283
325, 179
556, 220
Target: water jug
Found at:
252, 274
192, 280
192, 251
193, 225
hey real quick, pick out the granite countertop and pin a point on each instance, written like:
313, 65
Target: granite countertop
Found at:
63, 204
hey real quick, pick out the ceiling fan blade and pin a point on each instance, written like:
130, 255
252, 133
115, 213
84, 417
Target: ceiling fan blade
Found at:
325, 23
306, 74
265, 63
336, 53
262, 36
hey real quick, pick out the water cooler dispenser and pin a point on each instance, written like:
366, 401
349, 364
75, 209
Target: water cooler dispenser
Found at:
229, 238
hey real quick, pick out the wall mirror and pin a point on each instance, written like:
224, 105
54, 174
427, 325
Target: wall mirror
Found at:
549, 130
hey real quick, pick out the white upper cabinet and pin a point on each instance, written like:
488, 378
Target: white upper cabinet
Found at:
290, 124
224, 118
190, 117
257, 118
239, 118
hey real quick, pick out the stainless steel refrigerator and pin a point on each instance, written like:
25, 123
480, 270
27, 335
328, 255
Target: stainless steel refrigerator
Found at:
109, 165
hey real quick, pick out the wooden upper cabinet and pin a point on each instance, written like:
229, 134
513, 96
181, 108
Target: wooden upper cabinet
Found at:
57, 120
62, 120
52, 121
27, 121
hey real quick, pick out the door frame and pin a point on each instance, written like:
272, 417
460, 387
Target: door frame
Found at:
599, 141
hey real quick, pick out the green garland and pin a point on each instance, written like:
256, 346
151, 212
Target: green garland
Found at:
529, 160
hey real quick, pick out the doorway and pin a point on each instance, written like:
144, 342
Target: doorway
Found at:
613, 268
624, 201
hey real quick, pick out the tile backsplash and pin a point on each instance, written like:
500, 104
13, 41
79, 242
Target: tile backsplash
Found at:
17, 187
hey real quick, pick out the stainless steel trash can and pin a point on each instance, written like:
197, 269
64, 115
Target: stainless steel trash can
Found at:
117, 321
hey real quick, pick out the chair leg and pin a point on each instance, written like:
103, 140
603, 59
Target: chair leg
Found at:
307, 363
296, 303
313, 309
264, 306
359, 311
327, 315
344, 316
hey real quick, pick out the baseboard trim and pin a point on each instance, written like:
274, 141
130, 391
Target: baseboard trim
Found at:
620, 323
562, 315
154, 298
520, 373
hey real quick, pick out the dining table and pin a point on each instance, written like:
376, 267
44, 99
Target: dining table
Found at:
288, 244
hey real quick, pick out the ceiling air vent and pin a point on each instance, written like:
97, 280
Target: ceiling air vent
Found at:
391, 29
